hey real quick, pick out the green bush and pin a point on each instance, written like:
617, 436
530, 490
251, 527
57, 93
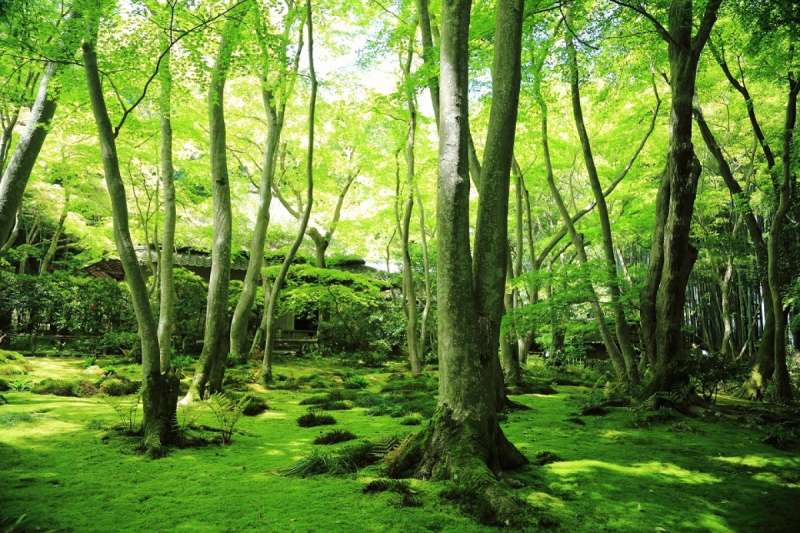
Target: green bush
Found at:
13, 364
314, 418
334, 437
118, 386
57, 387
253, 405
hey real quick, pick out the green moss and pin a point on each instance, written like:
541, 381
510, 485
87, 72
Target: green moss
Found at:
616, 477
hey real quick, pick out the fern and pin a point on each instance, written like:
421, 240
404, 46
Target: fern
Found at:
227, 412
126, 409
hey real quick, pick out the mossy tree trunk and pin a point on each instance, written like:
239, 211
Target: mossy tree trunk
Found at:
777, 285
464, 437
672, 255
210, 368
159, 389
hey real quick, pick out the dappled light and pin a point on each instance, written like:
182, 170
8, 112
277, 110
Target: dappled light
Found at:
399, 265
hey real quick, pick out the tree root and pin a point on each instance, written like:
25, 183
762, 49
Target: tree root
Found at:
471, 457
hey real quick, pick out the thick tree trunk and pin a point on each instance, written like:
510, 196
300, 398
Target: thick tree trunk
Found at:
464, 437
673, 256
624, 337
210, 367
16, 174
269, 329
166, 260
159, 390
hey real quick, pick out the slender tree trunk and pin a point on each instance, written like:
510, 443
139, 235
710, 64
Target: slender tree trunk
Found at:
423, 325
624, 337
605, 333
241, 315
44, 266
16, 174
166, 314
210, 367
269, 329
409, 289
764, 365
159, 390
6, 137
783, 386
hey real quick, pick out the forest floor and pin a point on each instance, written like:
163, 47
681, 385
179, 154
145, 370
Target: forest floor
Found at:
62, 468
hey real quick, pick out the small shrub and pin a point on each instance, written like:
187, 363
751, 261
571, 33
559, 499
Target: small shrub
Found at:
411, 421
386, 485
314, 418
13, 363
254, 405
347, 460
86, 389
57, 387
334, 436
21, 385
317, 399
118, 386
227, 412
337, 405
9, 420
355, 382
4, 385
186, 416
545, 458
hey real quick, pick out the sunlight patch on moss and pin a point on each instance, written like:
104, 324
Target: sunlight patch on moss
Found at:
760, 461
664, 471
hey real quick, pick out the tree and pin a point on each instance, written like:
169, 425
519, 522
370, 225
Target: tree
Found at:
269, 313
159, 389
275, 93
210, 368
464, 437
672, 256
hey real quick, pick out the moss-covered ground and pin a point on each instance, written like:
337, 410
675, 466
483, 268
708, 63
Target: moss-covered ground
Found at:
62, 469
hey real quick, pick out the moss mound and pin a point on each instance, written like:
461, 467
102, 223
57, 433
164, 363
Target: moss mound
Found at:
334, 437
313, 418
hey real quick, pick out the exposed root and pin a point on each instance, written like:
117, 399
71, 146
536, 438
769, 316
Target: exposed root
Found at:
462, 452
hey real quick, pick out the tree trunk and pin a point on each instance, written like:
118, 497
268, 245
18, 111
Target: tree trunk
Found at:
783, 385
764, 365
16, 174
44, 266
464, 437
614, 354
159, 390
672, 255
269, 329
624, 337
241, 315
409, 289
423, 325
166, 314
209, 370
